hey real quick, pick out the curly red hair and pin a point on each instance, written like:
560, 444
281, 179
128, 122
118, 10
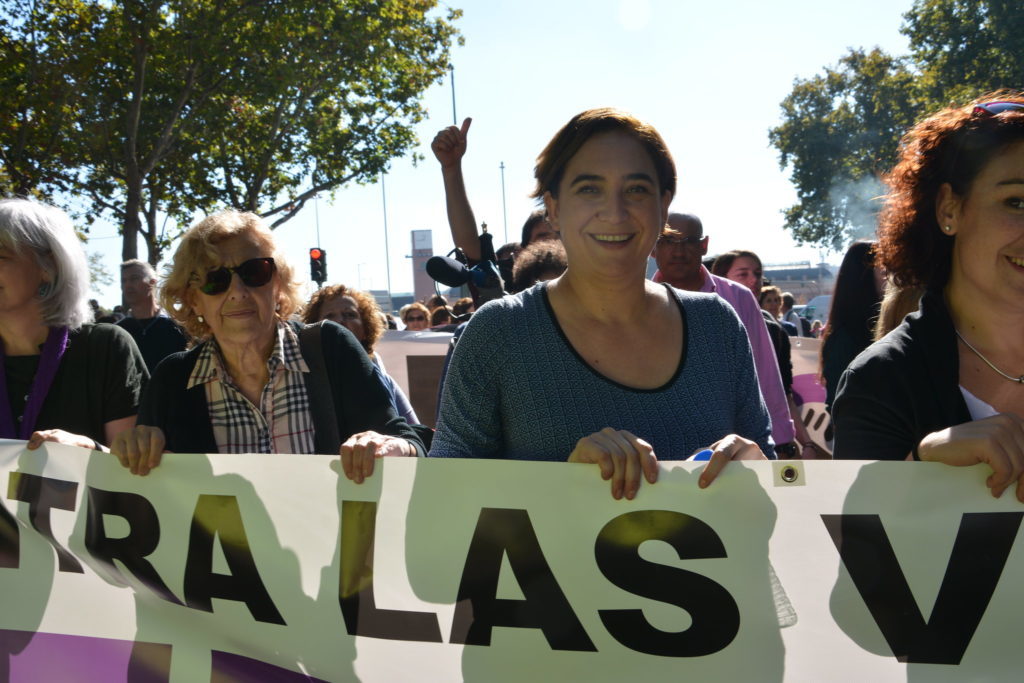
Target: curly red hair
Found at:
369, 311
951, 146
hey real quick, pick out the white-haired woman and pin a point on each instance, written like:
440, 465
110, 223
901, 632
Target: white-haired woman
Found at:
63, 379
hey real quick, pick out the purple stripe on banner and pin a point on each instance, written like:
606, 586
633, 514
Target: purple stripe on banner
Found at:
238, 669
54, 657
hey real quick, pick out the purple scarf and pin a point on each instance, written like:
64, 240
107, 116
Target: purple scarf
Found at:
53, 351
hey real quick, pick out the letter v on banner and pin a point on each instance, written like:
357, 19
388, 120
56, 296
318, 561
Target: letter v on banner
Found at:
983, 543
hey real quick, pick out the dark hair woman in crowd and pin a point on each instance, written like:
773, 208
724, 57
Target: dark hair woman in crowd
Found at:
255, 383
359, 313
745, 268
64, 379
537, 229
544, 260
619, 371
770, 299
852, 316
948, 384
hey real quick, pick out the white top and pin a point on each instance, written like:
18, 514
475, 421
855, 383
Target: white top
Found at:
978, 409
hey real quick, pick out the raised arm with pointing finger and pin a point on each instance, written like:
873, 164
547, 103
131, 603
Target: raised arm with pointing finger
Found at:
449, 146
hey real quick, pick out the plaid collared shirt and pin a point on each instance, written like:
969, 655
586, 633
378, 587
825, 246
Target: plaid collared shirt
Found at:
281, 423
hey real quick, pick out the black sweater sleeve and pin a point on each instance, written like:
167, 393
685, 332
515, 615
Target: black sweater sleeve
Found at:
361, 401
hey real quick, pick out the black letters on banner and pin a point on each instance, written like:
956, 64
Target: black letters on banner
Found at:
499, 532
979, 554
219, 516
142, 539
42, 494
715, 616
355, 584
10, 551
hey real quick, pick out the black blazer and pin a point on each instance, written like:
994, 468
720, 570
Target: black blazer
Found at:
901, 388
361, 402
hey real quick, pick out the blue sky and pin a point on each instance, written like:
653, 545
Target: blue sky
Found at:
708, 75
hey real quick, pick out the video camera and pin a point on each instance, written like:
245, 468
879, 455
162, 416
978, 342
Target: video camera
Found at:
484, 278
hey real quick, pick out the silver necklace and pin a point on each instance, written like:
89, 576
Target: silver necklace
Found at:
1019, 380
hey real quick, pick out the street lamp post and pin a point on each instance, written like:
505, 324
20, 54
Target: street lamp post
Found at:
504, 210
455, 118
387, 251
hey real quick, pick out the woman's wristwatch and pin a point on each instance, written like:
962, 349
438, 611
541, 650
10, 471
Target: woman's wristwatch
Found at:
787, 451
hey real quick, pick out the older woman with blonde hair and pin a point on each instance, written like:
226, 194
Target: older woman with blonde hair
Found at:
64, 379
256, 383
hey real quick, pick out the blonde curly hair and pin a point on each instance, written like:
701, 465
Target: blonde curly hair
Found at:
197, 253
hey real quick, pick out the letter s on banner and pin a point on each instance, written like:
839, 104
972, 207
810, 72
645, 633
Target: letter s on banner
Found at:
714, 613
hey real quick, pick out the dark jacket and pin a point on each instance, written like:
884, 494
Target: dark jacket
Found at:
901, 388
360, 401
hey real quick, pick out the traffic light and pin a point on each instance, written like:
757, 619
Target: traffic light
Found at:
318, 265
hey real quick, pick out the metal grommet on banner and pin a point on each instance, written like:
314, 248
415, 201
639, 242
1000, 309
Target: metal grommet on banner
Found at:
788, 472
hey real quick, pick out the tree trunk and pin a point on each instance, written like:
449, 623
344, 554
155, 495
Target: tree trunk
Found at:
153, 251
132, 224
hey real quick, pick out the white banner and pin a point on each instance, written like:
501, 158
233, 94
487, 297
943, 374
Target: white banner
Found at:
276, 568
415, 361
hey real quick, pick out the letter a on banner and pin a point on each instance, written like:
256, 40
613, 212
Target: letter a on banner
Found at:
500, 532
219, 516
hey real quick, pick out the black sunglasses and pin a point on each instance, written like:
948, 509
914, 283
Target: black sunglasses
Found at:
995, 108
255, 272
680, 241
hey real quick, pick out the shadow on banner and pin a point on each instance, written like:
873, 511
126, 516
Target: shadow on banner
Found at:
553, 579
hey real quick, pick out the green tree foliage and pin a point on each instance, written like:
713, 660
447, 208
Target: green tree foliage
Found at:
192, 105
840, 130
46, 59
99, 276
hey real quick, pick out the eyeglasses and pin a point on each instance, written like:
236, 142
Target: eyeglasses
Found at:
995, 108
415, 319
255, 272
680, 241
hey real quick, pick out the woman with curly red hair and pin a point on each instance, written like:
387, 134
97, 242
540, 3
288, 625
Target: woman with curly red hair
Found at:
948, 384
358, 311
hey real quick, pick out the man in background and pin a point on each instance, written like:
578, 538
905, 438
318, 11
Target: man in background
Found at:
803, 328
678, 253
156, 335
